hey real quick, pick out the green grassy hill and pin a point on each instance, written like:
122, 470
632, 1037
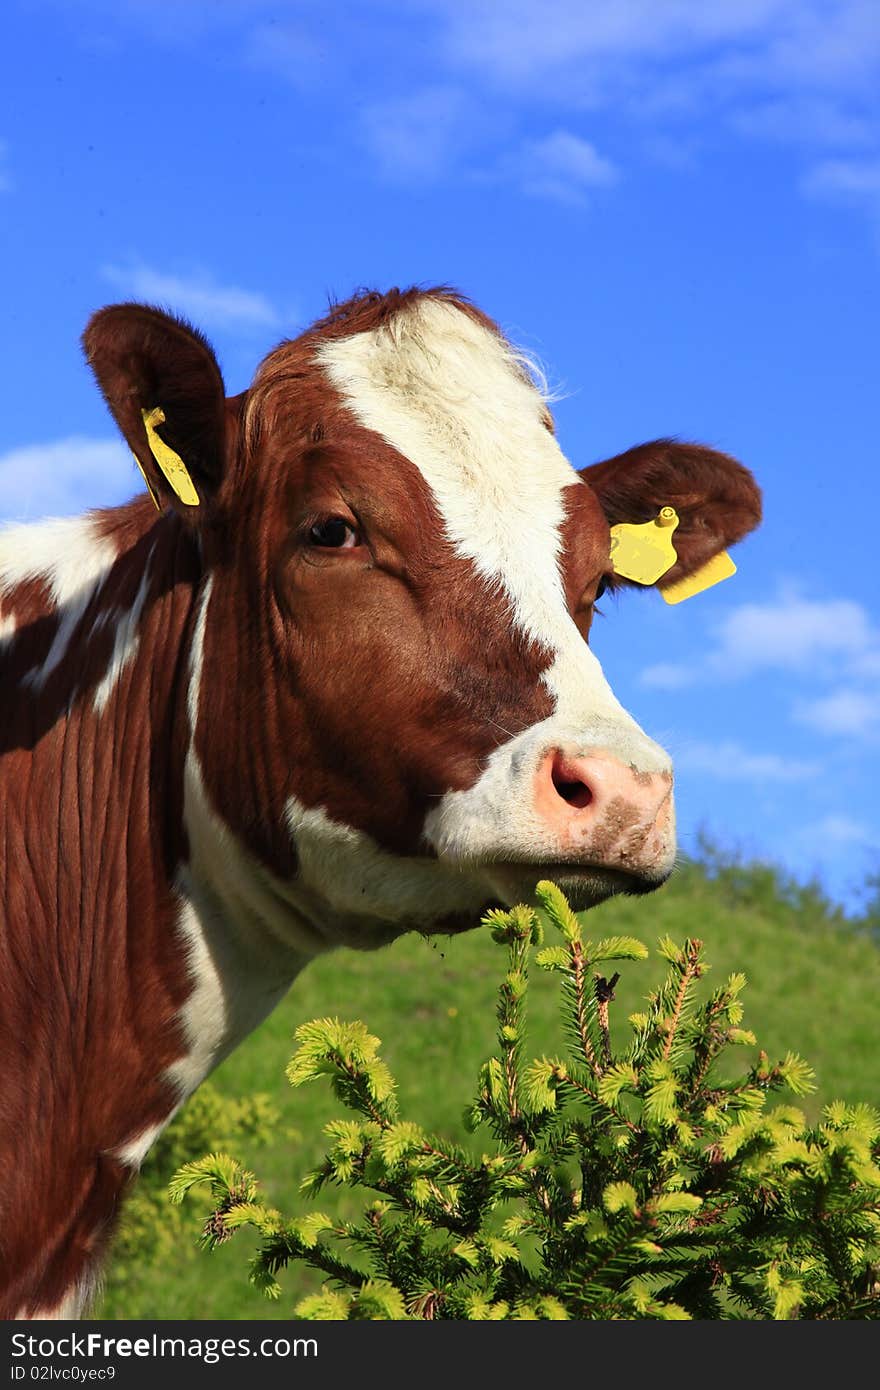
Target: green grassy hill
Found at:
813, 988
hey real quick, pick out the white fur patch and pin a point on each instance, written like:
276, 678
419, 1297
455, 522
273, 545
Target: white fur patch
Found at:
72, 559
354, 879
203, 1017
204, 1023
126, 640
197, 656
134, 1151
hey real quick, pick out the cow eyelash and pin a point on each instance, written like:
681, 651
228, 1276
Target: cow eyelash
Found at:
608, 584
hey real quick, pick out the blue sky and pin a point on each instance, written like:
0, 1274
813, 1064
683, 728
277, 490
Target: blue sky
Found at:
675, 205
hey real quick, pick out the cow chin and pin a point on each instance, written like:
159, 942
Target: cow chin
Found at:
584, 885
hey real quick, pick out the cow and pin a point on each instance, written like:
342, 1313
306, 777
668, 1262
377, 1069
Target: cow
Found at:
326, 681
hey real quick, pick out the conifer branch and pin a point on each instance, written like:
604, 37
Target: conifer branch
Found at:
696, 1200
690, 970
594, 1096
579, 972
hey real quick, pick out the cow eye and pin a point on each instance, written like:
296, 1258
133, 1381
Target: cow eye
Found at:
333, 533
603, 585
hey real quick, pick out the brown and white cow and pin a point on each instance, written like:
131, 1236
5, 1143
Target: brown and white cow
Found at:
347, 695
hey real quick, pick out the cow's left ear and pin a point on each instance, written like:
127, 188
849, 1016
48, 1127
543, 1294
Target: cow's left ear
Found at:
163, 385
717, 499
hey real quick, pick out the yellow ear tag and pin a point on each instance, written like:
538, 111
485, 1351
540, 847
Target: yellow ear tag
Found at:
719, 567
644, 553
172, 464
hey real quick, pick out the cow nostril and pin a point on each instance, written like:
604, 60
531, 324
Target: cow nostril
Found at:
569, 786
575, 793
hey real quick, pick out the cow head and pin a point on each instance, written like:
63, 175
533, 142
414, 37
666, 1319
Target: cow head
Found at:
395, 713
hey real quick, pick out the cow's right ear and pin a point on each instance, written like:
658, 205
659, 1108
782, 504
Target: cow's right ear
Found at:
716, 499
163, 385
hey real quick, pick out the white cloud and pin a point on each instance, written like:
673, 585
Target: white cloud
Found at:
828, 47
790, 45
64, 477
197, 296
423, 136
794, 634
837, 830
290, 50
844, 711
805, 120
418, 137
730, 762
844, 178
819, 637
666, 675
802, 72
524, 40
818, 641
854, 181
867, 663
561, 166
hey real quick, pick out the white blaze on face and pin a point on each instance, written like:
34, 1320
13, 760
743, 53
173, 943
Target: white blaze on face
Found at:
451, 396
